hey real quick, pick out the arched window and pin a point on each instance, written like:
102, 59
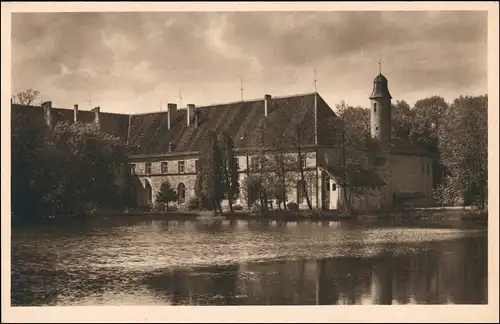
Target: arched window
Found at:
181, 193
301, 191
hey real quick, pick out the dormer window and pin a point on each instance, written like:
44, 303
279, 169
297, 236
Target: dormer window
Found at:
171, 146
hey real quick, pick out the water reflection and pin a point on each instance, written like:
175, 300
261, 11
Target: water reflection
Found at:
437, 276
247, 263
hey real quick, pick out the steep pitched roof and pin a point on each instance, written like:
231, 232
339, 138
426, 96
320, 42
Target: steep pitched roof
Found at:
149, 133
110, 123
404, 146
359, 177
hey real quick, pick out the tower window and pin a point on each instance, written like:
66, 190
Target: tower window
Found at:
375, 107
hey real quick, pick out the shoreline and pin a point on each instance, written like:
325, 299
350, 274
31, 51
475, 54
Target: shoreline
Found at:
431, 214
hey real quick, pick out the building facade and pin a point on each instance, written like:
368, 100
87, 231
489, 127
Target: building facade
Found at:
166, 146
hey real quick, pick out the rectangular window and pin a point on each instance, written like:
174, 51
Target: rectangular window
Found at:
164, 167
375, 107
180, 166
327, 183
334, 186
132, 169
303, 162
148, 168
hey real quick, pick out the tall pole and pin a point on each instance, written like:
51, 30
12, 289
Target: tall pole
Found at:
180, 98
241, 88
315, 81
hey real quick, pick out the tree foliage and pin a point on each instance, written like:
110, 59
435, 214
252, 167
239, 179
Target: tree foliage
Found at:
229, 167
67, 169
353, 126
166, 193
211, 181
463, 142
29, 97
401, 115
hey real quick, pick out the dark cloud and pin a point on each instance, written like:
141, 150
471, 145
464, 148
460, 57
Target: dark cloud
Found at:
131, 60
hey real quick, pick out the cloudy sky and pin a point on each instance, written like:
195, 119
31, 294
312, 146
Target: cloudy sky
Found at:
130, 62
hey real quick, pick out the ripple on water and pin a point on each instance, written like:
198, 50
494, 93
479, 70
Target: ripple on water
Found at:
146, 248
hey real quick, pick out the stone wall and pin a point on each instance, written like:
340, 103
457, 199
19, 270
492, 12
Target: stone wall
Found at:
411, 173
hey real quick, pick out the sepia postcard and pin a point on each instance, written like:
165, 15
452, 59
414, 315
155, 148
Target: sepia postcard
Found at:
250, 162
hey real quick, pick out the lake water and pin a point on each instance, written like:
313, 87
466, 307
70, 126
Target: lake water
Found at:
134, 261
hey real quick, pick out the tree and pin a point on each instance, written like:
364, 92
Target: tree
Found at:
229, 167
428, 115
212, 173
293, 133
67, 169
356, 145
402, 116
166, 194
356, 121
28, 97
88, 163
463, 142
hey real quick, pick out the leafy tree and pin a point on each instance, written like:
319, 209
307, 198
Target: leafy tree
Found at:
229, 172
463, 142
356, 121
212, 173
28, 97
67, 169
428, 115
356, 145
166, 194
402, 117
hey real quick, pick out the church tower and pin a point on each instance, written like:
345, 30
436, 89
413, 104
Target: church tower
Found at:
380, 129
380, 116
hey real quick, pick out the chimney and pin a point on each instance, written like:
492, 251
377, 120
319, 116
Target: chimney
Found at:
267, 104
47, 106
197, 118
189, 109
76, 113
97, 116
171, 111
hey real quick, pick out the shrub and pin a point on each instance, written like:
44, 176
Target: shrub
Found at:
193, 204
292, 206
255, 208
